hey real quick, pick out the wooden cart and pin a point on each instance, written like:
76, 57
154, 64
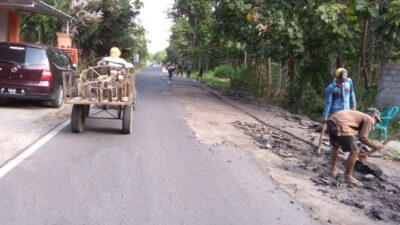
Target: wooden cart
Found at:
105, 86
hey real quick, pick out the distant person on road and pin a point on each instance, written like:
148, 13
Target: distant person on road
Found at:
171, 69
200, 75
339, 94
345, 128
180, 70
188, 70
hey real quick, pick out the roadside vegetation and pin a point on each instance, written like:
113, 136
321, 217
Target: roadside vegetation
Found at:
285, 52
209, 77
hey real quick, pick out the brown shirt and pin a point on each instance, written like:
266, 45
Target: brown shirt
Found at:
352, 122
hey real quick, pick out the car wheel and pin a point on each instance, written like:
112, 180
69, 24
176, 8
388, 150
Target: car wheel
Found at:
57, 102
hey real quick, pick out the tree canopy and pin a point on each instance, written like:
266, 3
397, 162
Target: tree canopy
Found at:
97, 26
301, 41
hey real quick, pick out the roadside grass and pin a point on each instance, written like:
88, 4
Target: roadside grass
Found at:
136, 70
209, 77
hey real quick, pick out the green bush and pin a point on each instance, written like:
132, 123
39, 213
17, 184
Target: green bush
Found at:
366, 98
222, 71
209, 77
240, 80
314, 105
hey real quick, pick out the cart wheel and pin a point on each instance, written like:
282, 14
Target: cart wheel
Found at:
119, 110
86, 110
127, 120
77, 119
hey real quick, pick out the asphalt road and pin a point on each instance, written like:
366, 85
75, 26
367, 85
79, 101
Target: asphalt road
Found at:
160, 174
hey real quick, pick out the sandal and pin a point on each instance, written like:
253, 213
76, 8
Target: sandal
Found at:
338, 173
353, 181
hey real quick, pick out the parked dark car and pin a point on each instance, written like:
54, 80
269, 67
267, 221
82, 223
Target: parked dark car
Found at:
30, 71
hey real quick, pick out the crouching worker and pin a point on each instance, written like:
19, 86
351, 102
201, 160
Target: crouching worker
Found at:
343, 128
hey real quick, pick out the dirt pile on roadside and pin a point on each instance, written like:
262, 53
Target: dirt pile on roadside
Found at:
379, 198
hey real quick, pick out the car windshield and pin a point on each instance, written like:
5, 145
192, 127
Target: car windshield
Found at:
23, 55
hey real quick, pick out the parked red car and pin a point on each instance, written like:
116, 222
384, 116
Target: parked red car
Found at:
30, 71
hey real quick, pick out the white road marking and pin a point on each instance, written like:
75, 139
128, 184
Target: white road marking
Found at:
33, 148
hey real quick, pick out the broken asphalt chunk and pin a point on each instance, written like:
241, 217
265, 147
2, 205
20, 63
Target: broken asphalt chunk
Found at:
376, 213
352, 203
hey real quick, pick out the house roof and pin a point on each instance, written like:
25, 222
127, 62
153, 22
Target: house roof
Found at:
34, 6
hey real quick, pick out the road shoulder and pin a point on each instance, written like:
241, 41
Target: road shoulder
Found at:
217, 119
24, 122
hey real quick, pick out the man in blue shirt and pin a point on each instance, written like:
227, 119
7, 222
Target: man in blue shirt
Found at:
339, 94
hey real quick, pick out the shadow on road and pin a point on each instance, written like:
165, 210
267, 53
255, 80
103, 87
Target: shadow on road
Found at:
91, 128
22, 103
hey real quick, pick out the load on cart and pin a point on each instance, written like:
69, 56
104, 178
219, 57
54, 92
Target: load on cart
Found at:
110, 85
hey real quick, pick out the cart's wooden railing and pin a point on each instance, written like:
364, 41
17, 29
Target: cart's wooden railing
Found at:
100, 85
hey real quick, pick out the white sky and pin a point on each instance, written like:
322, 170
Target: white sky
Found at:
153, 17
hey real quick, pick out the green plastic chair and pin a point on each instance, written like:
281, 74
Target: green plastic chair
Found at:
386, 116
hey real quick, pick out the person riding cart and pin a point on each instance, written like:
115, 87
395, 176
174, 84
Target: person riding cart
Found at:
113, 65
114, 59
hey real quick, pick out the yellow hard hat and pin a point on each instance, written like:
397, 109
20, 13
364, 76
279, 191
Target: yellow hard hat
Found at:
115, 52
341, 72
